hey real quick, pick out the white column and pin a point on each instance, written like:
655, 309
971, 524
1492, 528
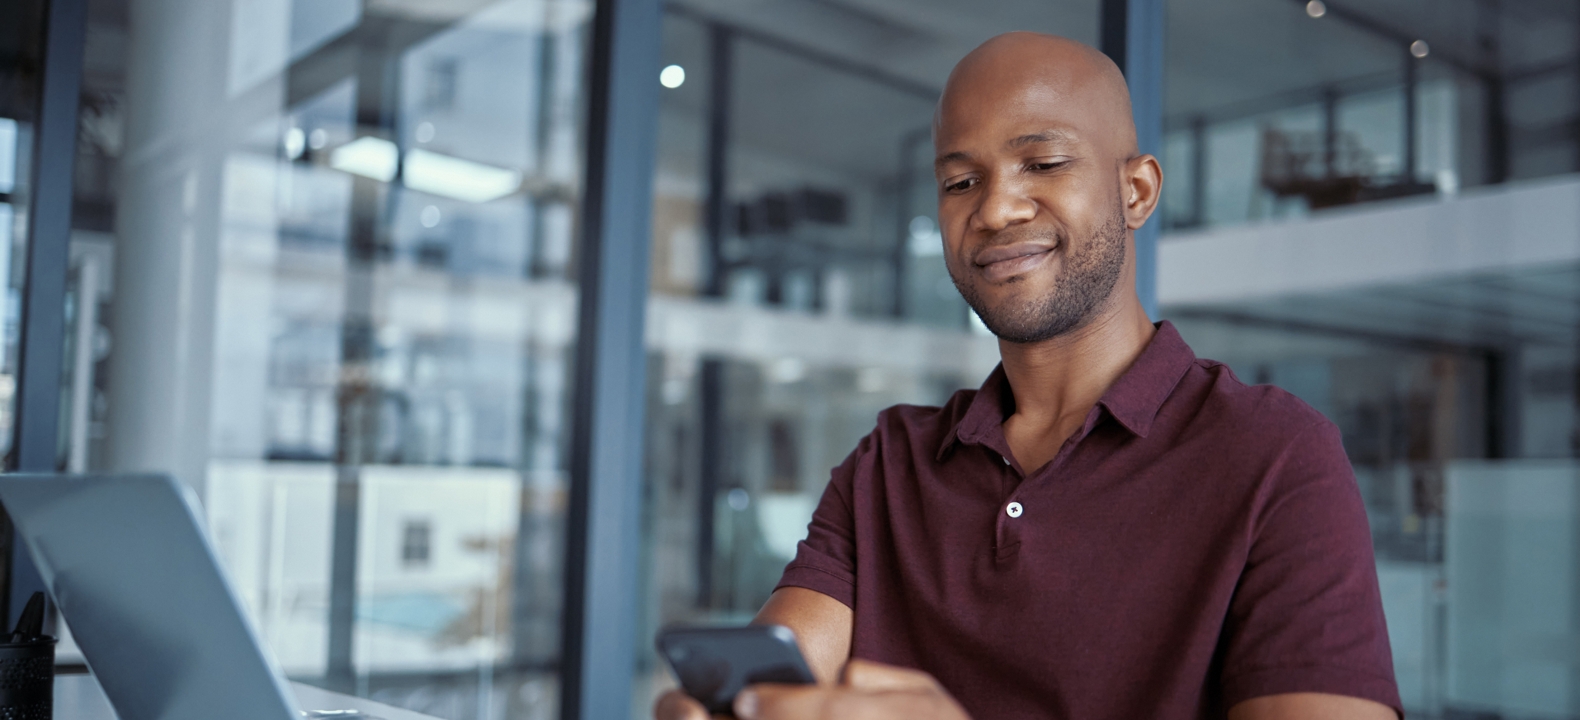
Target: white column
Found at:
192, 69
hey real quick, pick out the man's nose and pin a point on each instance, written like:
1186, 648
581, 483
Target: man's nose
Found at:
1004, 203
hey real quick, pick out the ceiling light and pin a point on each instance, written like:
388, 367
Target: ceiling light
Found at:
1419, 48
367, 156
453, 177
430, 216
672, 77
425, 132
1316, 8
295, 143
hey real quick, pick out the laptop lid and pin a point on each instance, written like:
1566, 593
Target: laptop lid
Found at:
132, 572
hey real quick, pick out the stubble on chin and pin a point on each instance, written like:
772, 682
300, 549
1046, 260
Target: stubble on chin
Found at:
1084, 282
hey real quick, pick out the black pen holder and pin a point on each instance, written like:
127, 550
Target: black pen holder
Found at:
27, 679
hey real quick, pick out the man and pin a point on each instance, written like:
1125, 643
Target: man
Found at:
1109, 527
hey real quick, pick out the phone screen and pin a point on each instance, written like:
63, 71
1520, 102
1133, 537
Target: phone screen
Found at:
713, 664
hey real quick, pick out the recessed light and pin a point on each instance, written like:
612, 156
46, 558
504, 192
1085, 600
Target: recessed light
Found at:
672, 77
1316, 8
1419, 48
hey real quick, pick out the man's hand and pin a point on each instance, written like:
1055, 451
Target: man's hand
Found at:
868, 691
677, 705
822, 627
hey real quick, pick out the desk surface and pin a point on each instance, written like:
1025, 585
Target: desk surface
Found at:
78, 697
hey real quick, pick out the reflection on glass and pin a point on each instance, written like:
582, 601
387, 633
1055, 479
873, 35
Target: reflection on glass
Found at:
335, 299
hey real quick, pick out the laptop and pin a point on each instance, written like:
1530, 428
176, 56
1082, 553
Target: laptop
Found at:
129, 567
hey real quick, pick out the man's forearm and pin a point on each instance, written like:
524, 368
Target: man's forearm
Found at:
822, 627
1310, 706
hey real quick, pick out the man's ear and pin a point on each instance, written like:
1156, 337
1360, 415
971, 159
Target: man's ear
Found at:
1143, 186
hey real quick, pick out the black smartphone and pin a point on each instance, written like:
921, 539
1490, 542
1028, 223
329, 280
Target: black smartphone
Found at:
714, 663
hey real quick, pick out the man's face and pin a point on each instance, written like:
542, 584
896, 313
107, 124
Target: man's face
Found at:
1030, 208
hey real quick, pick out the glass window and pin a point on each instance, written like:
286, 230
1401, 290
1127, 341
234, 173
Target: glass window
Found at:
1289, 108
415, 547
1358, 172
329, 286
322, 272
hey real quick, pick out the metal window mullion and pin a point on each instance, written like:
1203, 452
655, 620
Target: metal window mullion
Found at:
35, 445
49, 242
1132, 35
1407, 174
603, 534
721, 53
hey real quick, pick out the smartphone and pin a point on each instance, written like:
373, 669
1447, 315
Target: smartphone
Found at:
714, 663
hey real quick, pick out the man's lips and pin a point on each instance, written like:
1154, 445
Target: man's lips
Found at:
1005, 261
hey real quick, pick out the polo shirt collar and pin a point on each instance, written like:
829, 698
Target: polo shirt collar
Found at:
1133, 400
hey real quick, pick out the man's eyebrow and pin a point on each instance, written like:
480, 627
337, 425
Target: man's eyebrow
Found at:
1046, 136
1041, 137
956, 156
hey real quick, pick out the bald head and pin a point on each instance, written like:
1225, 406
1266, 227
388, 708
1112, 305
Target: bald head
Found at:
1010, 69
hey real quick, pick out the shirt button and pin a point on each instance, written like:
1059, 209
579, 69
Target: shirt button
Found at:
1014, 510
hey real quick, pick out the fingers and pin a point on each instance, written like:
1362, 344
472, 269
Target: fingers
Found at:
676, 705
865, 675
775, 702
812, 702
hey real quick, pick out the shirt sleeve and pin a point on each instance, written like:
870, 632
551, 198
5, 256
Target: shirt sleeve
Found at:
1307, 615
825, 561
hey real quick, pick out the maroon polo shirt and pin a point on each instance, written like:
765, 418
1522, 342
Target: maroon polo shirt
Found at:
1198, 542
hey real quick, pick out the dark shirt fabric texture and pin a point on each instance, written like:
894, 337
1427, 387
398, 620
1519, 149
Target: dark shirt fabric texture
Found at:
1197, 543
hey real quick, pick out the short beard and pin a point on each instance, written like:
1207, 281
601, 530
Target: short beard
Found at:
1083, 287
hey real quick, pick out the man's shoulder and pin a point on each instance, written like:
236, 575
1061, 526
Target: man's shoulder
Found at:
930, 424
1261, 434
935, 418
1264, 412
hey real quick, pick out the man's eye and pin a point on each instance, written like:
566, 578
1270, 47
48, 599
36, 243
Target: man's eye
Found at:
1046, 166
960, 185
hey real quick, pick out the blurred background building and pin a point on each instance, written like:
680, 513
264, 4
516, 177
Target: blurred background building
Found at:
324, 268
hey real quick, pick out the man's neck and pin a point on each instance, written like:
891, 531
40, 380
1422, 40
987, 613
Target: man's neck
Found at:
1057, 381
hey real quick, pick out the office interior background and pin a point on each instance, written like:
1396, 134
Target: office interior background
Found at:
324, 268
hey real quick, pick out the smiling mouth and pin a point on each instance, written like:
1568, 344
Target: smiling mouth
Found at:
1002, 263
